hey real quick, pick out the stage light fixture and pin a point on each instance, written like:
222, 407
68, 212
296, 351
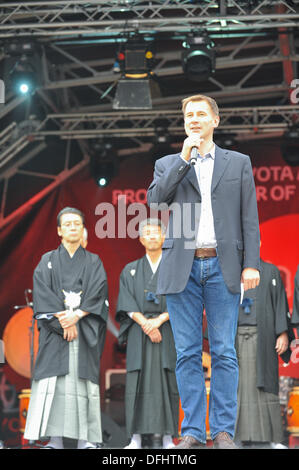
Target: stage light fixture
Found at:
105, 171
103, 163
24, 77
135, 60
198, 57
22, 66
290, 145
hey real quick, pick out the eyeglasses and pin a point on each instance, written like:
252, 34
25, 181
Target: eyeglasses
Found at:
76, 224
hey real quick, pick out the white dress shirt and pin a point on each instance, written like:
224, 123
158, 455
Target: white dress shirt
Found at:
204, 167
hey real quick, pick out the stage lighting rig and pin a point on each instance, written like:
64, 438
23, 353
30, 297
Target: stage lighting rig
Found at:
22, 66
198, 57
135, 60
135, 57
24, 77
103, 162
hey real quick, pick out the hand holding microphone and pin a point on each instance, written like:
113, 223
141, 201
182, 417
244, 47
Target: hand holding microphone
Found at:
190, 147
193, 155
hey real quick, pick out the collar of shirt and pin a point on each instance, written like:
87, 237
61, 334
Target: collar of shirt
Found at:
211, 152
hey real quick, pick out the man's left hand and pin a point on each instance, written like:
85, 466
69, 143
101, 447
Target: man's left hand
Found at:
250, 278
67, 318
151, 324
282, 343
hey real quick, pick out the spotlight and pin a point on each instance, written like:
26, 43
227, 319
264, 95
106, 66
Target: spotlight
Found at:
290, 145
102, 181
22, 66
24, 77
136, 57
104, 172
24, 88
135, 60
198, 58
103, 163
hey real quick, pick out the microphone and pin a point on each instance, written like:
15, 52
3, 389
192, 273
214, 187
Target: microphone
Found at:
193, 156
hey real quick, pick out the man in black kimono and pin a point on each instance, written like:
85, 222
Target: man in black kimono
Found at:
264, 332
70, 303
152, 400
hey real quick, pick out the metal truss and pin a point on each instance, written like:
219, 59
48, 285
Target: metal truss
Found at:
108, 17
130, 124
164, 68
124, 124
137, 124
96, 75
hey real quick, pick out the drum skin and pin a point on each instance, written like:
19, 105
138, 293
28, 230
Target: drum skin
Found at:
17, 341
293, 412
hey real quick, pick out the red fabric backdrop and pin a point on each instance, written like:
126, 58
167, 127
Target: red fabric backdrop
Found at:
24, 241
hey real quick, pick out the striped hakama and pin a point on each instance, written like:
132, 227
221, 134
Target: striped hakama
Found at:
259, 418
65, 406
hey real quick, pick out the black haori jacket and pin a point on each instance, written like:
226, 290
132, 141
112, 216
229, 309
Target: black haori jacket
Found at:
53, 353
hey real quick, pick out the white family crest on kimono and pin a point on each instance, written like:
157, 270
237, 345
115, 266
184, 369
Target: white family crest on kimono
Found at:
133, 271
72, 299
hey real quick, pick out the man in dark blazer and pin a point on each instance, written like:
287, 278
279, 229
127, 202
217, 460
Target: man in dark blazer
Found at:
212, 246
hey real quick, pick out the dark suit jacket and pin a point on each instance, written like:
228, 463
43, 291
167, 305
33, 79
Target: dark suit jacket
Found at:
234, 210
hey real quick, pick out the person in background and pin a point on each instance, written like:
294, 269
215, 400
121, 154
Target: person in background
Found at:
70, 300
151, 398
264, 333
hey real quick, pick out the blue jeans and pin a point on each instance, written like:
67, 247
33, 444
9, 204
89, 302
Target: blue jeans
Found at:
206, 289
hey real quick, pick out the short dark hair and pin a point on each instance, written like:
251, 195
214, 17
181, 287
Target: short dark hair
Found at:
211, 102
69, 210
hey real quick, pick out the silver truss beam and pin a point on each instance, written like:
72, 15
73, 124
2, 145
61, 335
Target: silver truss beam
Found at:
145, 123
142, 125
73, 18
221, 64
